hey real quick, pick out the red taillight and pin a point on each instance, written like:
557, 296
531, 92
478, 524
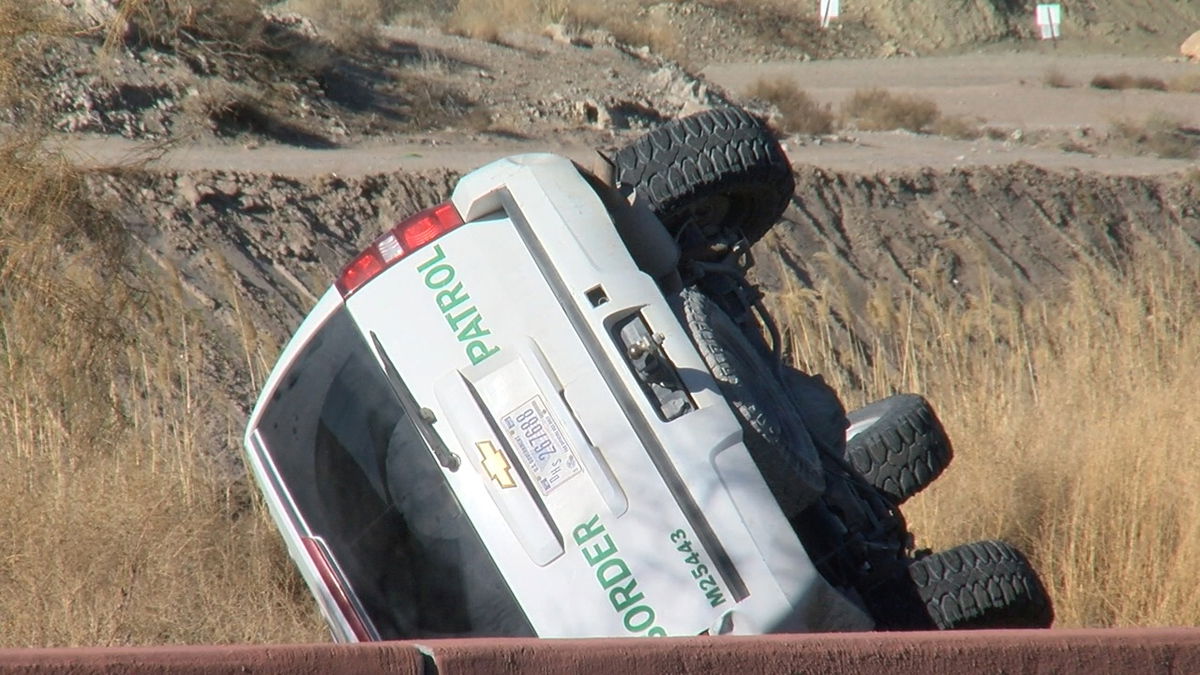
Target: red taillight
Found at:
408, 236
333, 582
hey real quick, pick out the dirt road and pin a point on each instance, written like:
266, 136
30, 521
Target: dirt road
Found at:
1052, 127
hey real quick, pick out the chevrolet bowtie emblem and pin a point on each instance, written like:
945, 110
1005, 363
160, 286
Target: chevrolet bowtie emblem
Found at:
496, 465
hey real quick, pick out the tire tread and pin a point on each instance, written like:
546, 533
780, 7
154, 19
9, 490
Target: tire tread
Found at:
984, 584
718, 149
903, 452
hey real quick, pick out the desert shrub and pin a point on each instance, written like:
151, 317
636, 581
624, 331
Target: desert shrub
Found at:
1127, 81
348, 24
957, 126
881, 110
26, 28
1056, 79
997, 133
226, 108
1118, 81
171, 24
1159, 135
1150, 83
627, 25
799, 112
659, 36
486, 19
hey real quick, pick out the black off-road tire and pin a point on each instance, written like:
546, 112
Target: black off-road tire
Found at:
720, 169
774, 432
898, 444
985, 584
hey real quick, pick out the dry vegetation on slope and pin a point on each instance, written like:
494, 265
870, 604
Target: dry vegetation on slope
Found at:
1074, 417
120, 527
1074, 420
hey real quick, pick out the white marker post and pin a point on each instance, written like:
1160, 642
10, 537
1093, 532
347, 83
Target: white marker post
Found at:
1049, 19
829, 11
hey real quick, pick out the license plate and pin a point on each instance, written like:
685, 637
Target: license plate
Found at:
540, 445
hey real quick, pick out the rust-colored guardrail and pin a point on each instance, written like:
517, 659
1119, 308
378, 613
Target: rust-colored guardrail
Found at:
1094, 652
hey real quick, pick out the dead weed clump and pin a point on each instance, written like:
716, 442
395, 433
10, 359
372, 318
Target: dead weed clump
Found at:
881, 110
1159, 135
178, 24
488, 19
799, 112
1126, 81
26, 28
958, 127
232, 109
351, 25
1056, 79
627, 25
624, 20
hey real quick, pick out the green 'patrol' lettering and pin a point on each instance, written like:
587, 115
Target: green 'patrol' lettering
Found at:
465, 322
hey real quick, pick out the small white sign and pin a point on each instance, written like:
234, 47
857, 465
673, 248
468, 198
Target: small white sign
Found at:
1049, 18
829, 11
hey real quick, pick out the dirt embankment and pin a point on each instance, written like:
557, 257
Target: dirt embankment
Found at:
253, 252
249, 254
928, 26
1018, 230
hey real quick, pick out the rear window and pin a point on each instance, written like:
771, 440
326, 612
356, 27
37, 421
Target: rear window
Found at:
364, 480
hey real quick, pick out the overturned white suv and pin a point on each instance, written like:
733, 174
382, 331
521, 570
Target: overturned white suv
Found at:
544, 408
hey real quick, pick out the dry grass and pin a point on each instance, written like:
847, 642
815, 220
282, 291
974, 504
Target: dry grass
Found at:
799, 113
351, 25
25, 30
488, 19
623, 19
1075, 421
119, 527
957, 126
235, 24
1127, 81
881, 110
1159, 135
1056, 79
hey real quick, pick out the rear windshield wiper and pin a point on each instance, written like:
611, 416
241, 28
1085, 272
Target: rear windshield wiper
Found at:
423, 418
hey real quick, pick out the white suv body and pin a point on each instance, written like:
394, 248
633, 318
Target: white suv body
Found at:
457, 441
